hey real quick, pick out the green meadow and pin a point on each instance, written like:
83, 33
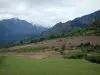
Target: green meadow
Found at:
20, 65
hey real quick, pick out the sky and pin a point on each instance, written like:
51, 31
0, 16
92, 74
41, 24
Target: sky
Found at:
47, 12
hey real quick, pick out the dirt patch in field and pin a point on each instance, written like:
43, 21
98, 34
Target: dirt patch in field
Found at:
41, 55
35, 55
69, 41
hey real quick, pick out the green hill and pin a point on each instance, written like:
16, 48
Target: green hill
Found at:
63, 29
92, 29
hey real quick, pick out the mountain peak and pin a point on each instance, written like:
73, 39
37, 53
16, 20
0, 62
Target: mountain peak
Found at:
15, 18
16, 29
79, 22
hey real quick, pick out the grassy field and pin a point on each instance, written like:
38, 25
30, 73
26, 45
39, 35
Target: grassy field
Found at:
20, 65
38, 49
23, 50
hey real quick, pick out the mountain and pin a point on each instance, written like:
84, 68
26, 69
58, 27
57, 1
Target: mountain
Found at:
92, 29
64, 28
16, 29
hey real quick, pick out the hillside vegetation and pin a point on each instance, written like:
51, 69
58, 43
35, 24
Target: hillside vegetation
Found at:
93, 29
62, 29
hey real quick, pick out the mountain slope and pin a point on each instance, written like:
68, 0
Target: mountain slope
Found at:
64, 28
92, 29
16, 29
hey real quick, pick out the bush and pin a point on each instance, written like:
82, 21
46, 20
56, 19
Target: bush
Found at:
63, 48
56, 48
75, 55
94, 58
97, 48
89, 47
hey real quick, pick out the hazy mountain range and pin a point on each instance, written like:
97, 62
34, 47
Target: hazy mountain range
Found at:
16, 29
65, 28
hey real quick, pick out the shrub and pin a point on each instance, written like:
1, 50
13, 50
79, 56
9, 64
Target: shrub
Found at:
21, 42
87, 47
56, 48
97, 48
41, 39
85, 44
75, 55
63, 48
94, 58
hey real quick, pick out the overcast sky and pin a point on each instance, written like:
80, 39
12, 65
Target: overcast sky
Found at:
47, 12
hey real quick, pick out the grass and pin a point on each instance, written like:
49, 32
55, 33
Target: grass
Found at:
31, 49
37, 49
19, 65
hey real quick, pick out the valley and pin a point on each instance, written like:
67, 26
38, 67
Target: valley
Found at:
70, 48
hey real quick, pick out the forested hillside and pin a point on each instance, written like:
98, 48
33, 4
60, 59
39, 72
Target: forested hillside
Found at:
92, 29
63, 29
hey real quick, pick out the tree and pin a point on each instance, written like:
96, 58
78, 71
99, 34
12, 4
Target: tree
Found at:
63, 47
41, 39
21, 42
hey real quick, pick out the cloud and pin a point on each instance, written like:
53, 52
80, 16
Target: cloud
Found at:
47, 12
